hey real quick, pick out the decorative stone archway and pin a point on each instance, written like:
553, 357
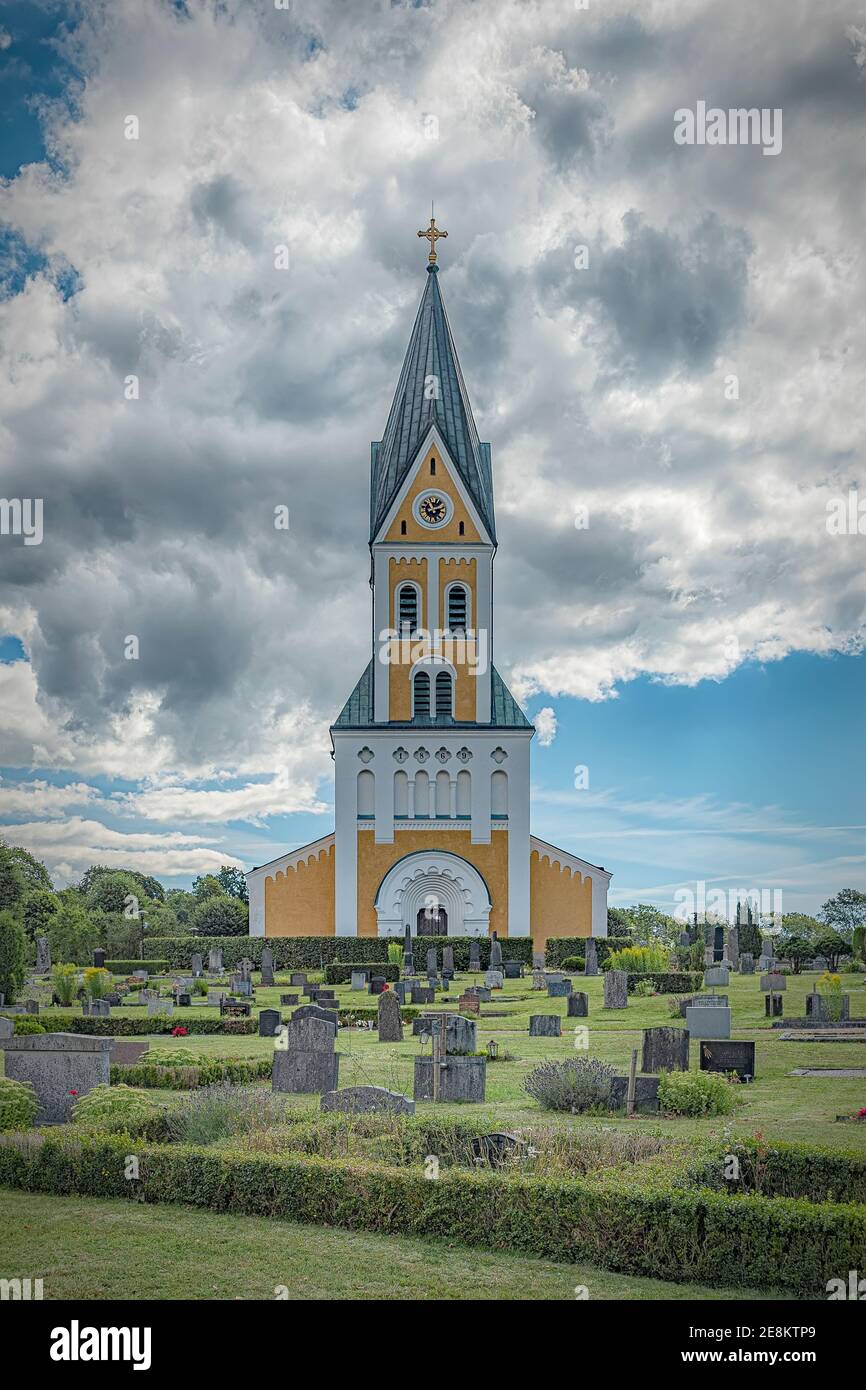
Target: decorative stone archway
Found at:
437, 880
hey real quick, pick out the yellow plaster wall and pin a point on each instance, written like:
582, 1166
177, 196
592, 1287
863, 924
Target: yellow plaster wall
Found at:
425, 481
300, 901
399, 687
453, 571
374, 861
560, 902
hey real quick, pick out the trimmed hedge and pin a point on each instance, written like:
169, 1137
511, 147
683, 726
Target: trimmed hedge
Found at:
141, 1026
791, 1170
189, 1078
618, 1220
315, 952
557, 948
342, 974
129, 967
675, 982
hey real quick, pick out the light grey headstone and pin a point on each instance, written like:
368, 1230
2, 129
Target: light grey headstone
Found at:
545, 1026
448, 960
390, 1021
365, 1100
615, 989
432, 961
732, 945
215, 960
359, 980
495, 954
196, 966
59, 1066
7, 1027
494, 979
538, 960
708, 1023
717, 975
558, 989
590, 957
267, 966
773, 984
747, 963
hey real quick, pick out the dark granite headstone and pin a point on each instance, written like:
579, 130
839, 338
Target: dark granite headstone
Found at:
590, 957
728, 1055
59, 1066
269, 1022
578, 1005
267, 966
545, 1026
665, 1049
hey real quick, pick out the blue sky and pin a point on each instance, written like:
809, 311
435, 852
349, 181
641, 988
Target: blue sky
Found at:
708, 517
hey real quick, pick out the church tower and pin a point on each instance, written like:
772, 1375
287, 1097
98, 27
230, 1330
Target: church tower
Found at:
431, 750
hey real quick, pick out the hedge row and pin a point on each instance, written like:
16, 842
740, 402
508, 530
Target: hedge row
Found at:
697, 1236
672, 982
315, 952
189, 1078
342, 974
129, 967
790, 1170
559, 948
128, 1027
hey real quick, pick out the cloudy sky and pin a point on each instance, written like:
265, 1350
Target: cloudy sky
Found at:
694, 380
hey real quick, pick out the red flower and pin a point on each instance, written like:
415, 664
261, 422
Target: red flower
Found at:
179, 1032
73, 1093
861, 1114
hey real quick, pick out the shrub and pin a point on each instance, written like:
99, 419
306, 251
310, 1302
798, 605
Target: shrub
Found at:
112, 1108
573, 963
222, 1110
315, 952
172, 1057
638, 959
129, 967
13, 955
97, 982
696, 1093
556, 948
185, 1077
220, 915
128, 1026
395, 953
339, 974
26, 1023
666, 982
830, 989
643, 989
64, 980
580, 1083
18, 1104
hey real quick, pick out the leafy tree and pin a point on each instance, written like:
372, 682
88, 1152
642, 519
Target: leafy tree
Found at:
13, 955
618, 923
11, 879
220, 915
38, 908
33, 871
845, 912
234, 883
650, 925
207, 886
831, 946
796, 949
113, 892
801, 924
181, 903
749, 932
147, 887
858, 943
72, 934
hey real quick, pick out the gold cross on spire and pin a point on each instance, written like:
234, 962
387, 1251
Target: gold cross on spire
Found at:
432, 234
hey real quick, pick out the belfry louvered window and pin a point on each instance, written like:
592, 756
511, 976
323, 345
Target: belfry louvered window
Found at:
407, 608
422, 693
443, 693
457, 608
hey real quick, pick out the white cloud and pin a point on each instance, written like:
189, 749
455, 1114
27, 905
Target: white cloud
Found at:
545, 724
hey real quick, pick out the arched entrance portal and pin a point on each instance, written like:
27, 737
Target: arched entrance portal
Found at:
431, 921
446, 885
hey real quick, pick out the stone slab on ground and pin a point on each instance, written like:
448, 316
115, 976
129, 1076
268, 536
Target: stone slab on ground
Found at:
850, 1073
363, 1100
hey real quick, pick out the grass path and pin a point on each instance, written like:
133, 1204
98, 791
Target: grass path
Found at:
85, 1248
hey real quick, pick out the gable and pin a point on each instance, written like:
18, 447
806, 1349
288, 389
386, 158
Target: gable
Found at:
421, 481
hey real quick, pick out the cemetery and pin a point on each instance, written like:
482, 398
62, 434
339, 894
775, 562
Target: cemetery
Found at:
327, 1095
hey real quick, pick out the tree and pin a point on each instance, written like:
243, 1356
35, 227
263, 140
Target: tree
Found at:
220, 916
207, 886
749, 932
845, 912
858, 944
800, 924
234, 882
650, 925
147, 887
13, 955
38, 908
33, 871
796, 949
831, 946
618, 923
72, 934
182, 905
115, 892
11, 879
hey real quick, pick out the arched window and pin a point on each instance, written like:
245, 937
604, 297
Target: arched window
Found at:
366, 794
444, 704
401, 794
421, 686
499, 795
407, 608
457, 608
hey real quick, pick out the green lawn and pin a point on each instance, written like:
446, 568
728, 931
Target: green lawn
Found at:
85, 1248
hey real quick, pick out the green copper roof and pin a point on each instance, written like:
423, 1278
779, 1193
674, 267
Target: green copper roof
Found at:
431, 354
357, 713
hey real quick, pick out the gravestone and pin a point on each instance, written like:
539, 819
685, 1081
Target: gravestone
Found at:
732, 945
96, 1008
377, 984
182, 999
448, 960
708, 1023
59, 1066
558, 989
709, 957
390, 1022
31, 1006
717, 975
646, 1094
578, 1005
403, 990
728, 1056
308, 1063
665, 1049
422, 994
702, 1001
765, 963
359, 980
494, 979
7, 1026
461, 1079
328, 1016
684, 941
616, 989
493, 1150
99, 960
140, 975
538, 980
460, 1033
773, 984
288, 998
367, 1100
215, 997
469, 1004
298, 978
432, 961
545, 1026
196, 966
747, 963
590, 957
474, 956
818, 1008
269, 1022
538, 960
126, 1053
244, 987
773, 1005
555, 977
513, 969
495, 954
159, 1006
236, 1008
215, 960
43, 955
246, 968
267, 966
408, 967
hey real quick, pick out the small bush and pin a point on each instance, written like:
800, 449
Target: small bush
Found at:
64, 981
171, 1057
581, 1083
129, 967
643, 989
97, 982
638, 959
696, 1093
18, 1104
574, 963
217, 1112
25, 1023
112, 1108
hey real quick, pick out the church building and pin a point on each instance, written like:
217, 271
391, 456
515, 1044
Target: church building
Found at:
431, 751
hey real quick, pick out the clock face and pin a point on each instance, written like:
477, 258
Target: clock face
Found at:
433, 509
